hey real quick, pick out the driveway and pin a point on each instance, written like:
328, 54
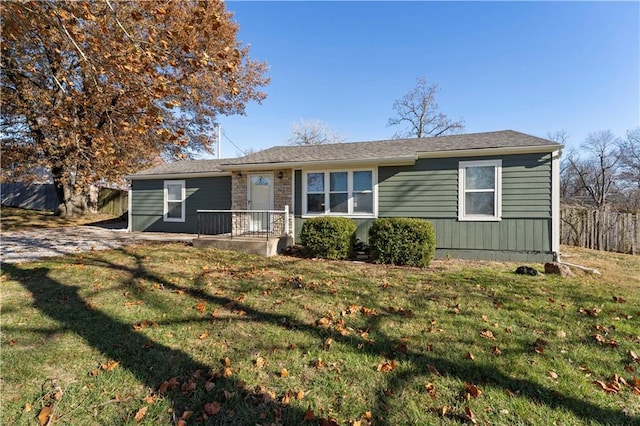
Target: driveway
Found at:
27, 246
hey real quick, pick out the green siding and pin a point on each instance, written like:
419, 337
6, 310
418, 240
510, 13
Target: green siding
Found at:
147, 203
429, 190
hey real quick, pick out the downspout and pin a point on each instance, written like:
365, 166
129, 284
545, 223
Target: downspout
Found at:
555, 204
129, 202
555, 214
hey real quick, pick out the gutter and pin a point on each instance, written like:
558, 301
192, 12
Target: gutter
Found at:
482, 152
392, 161
177, 175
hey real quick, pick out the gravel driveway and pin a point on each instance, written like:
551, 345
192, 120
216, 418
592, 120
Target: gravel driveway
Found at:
27, 246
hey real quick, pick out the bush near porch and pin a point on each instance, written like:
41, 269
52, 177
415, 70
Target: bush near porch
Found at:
328, 237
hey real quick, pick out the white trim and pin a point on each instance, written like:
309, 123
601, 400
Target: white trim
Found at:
483, 152
293, 202
183, 201
555, 202
497, 191
170, 176
129, 204
350, 213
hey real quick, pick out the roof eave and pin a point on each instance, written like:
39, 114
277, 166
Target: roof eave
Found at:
391, 161
483, 152
177, 175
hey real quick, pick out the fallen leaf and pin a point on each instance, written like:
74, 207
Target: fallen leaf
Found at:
284, 373
208, 386
496, 351
472, 390
28, 407
203, 336
45, 415
140, 414
470, 416
286, 399
470, 356
443, 410
300, 395
149, 399
387, 366
634, 356
433, 370
212, 408
619, 299
201, 307
486, 333
552, 374
259, 362
109, 365
226, 361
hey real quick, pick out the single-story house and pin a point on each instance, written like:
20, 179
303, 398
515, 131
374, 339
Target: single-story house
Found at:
492, 195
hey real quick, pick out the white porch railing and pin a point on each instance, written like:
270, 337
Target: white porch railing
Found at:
236, 223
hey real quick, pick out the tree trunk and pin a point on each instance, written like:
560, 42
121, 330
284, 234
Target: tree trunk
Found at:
72, 201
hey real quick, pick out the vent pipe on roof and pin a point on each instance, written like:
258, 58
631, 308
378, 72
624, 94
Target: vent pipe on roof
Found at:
219, 140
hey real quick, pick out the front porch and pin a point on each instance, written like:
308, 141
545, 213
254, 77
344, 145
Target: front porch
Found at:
263, 232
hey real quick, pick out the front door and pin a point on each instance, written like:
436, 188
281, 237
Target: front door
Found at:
260, 197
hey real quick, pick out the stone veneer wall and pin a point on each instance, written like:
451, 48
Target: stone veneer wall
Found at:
282, 190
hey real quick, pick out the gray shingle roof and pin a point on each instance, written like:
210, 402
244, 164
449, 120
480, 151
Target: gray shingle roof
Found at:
186, 167
359, 151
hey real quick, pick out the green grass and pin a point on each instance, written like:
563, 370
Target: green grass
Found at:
15, 219
359, 342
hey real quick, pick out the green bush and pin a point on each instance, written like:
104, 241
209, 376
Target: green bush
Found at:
402, 241
328, 237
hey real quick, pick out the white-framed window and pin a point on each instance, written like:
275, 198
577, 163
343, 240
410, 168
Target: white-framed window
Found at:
174, 200
339, 192
480, 190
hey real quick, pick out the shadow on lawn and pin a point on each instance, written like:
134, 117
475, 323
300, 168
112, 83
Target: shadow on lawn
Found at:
142, 356
150, 362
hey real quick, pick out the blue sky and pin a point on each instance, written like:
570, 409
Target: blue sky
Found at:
535, 67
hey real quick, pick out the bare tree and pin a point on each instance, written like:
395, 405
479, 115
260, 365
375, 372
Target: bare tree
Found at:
313, 132
595, 169
630, 158
567, 178
419, 112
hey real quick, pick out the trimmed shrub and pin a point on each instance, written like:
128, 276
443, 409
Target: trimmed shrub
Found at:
328, 237
402, 241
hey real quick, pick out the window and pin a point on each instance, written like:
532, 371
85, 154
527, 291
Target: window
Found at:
174, 200
339, 193
480, 190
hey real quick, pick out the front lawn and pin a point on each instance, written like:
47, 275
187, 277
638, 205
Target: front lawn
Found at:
171, 334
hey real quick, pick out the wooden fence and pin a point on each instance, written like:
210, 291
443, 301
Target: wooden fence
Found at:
114, 202
600, 229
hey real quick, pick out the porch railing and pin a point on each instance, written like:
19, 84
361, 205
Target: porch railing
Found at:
245, 223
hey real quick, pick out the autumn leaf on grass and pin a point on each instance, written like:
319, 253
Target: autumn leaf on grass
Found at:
140, 414
143, 324
486, 333
472, 390
634, 357
470, 356
259, 362
469, 416
387, 366
201, 307
496, 351
433, 370
431, 390
212, 408
284, 373
44, 416
109, 365
203, 336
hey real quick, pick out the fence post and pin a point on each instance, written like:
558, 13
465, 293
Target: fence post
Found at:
286, 219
